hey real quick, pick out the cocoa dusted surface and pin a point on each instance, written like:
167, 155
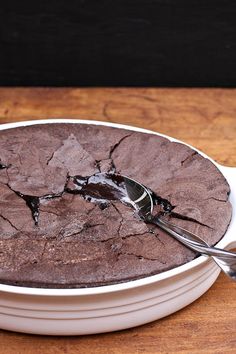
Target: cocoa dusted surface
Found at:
78, 244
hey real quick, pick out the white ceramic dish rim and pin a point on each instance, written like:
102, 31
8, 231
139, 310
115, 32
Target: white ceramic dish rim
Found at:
225, 242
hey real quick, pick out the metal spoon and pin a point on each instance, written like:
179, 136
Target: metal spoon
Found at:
109, 186
141, 199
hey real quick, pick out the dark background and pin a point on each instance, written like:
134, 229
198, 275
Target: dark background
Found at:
118, 43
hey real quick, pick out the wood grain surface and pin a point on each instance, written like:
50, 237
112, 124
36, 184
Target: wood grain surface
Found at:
205, 118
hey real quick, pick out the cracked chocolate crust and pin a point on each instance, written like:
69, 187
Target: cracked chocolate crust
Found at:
52, 238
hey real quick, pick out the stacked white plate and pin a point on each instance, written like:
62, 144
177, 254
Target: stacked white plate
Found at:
112, 307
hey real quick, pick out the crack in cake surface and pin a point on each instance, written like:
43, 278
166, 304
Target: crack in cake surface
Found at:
82, 185
6, 219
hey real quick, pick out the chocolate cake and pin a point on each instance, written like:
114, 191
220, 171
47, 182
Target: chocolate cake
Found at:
53, 236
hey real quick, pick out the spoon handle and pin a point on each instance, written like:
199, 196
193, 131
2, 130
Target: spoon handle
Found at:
225, 260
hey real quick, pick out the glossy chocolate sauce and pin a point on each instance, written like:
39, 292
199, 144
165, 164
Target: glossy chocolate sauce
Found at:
33, 203
2, 166
163, 203
101, 189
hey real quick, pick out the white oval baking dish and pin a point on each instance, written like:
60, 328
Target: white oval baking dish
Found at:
112, 307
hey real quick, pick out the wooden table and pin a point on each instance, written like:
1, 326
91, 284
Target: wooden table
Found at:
205, 118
